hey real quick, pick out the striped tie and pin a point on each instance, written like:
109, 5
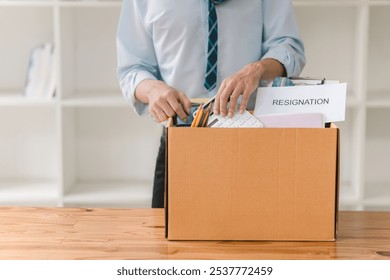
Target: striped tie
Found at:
212, 50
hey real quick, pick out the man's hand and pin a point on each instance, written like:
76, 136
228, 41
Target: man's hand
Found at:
164, 101
244, 82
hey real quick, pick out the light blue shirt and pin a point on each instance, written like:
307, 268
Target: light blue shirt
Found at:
167, 40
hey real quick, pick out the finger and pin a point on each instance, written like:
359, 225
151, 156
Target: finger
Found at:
154, 116
167, 109
216, 99
244, 100
224, 99
160, 115
185, 103
161, 108
233, 101
174, 103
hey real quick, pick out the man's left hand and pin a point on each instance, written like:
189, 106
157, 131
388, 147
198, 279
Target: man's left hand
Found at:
244, 83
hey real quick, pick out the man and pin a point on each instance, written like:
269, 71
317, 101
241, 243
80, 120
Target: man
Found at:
172, 51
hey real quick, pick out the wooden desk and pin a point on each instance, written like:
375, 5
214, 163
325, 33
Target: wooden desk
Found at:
69, 233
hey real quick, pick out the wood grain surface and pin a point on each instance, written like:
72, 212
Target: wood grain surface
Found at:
79, 233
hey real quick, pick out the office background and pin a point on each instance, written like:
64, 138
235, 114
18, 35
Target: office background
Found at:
86, 147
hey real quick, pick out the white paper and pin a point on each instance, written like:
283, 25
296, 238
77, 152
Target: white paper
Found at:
328, 99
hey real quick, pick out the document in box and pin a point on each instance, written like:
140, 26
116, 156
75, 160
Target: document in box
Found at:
245, 119
328, 99
300, 120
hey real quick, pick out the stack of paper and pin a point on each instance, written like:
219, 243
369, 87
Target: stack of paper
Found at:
40, 81
303, 120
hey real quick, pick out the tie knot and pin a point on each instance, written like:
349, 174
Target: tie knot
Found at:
215, 2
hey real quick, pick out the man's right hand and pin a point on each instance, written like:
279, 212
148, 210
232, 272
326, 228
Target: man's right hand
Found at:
164, 101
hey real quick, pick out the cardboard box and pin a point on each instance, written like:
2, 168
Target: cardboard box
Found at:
252, 183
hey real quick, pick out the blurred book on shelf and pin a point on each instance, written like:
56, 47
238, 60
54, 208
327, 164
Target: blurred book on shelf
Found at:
40, 81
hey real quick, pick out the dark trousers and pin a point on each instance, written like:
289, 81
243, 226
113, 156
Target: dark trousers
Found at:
159, 175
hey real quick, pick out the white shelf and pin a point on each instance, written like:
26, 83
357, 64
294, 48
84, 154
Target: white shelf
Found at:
377, 196
29, 193
95, 99
96, 149
88, 51
10, 99
377, 153
61, 3
353, 101
379, 3
378, 58
125, 194
341, 29
348, 198
379, 99
91, 3
16, 3
28, 143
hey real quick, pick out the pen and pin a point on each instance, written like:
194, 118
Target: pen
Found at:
201, 116
197, 116
206, 115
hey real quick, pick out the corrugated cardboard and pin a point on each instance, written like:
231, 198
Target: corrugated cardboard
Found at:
251, 183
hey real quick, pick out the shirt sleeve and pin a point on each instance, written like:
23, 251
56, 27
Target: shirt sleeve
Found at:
135, 54
281, 39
